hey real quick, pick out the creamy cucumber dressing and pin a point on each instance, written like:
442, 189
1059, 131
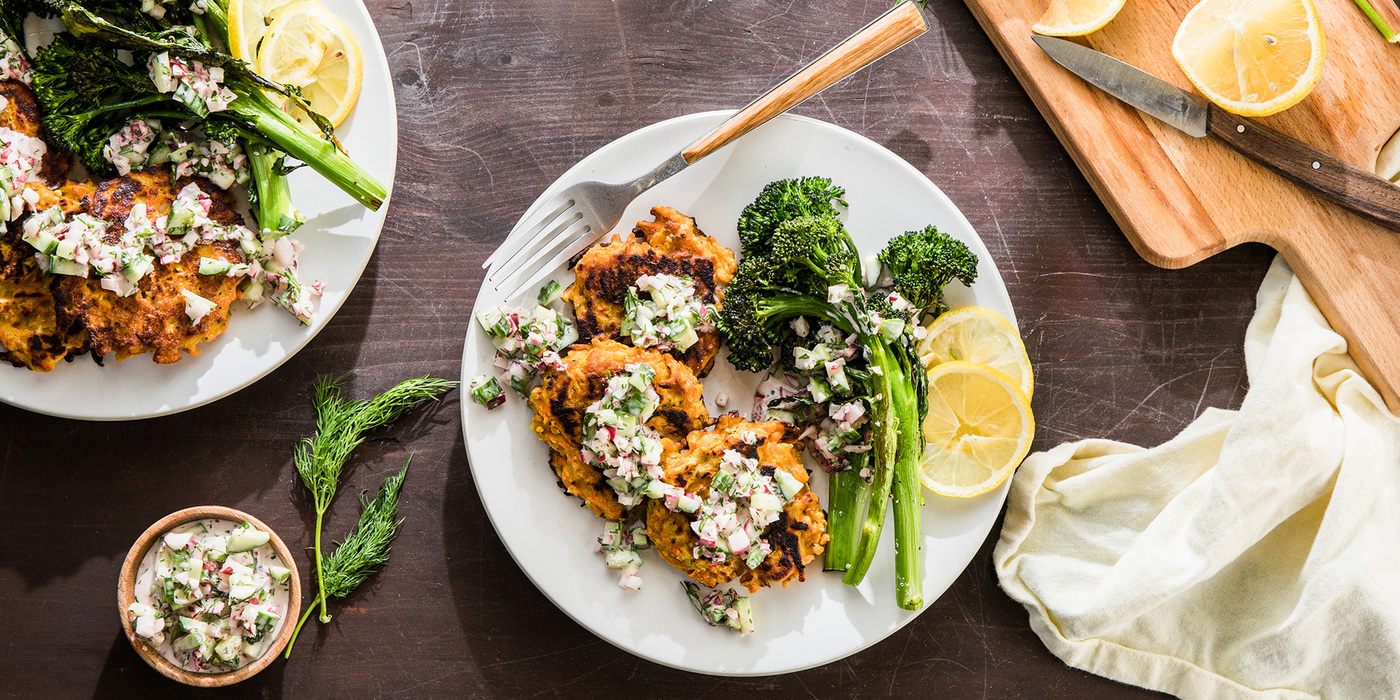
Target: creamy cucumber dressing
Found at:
211, 595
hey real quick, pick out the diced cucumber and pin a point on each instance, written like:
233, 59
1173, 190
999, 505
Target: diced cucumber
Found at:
494, 322
59, 266
745, 610
65, 249
228, 648
840, 383
486, 391
787, 483
214, 266
568, 333
245, 538
686, 338
42, 241
279, 574
550, 292
821, 390
186, 643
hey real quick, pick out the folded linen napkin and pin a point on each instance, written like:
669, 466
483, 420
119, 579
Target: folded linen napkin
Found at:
1255, 555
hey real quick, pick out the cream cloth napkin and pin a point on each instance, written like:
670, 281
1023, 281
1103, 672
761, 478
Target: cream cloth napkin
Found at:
1255, 555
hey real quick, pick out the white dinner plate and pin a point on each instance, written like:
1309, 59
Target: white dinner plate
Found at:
339, 234
552, 538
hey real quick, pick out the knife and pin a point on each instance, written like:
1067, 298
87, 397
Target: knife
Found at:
1351, 187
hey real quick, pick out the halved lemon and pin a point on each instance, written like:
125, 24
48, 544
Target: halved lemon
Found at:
1077, 17
247, 23
1252, 57
975, 334
979, 428
311, 48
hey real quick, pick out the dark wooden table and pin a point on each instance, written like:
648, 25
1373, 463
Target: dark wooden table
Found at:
495, 101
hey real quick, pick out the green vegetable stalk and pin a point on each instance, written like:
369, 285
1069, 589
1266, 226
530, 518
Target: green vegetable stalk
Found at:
1378, 20
846, 502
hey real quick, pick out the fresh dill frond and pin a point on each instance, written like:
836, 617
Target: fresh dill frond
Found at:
367, 546
342, 425
363, 551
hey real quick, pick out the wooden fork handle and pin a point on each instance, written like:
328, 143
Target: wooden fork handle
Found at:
1360, 191
888, 32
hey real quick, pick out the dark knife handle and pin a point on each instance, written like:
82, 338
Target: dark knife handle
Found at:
1362, 192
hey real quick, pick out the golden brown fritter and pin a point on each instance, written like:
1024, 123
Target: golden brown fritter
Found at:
560, 402
797, 536
671, 245
154, 318
28, 323
21, 114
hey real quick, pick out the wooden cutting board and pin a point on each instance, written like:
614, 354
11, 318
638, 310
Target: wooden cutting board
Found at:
1180, 199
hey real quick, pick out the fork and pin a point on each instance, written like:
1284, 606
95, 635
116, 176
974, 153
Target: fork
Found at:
565, 225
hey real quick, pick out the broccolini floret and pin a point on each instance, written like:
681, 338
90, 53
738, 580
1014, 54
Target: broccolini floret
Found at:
923, 262
783, 200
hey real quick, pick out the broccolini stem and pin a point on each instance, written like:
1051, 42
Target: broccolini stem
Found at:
884, 426
908, 501
307, 146
1376, 19
847, 496
274, 210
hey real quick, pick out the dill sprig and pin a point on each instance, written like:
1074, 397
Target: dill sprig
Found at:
341, 425
366, 548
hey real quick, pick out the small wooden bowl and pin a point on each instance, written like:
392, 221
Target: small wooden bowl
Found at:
126, 594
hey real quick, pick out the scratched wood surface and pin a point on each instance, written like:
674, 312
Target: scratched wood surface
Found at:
496, 100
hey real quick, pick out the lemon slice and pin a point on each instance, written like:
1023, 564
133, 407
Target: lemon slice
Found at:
247, 23
1252, 57
1077, 17
979, 428
310, 48
975, 334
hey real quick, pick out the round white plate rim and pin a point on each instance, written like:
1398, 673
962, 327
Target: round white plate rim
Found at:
470, 366
324, 314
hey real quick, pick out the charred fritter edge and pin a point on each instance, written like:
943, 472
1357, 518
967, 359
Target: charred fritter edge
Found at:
797, 536
671, 244
564, 395
153, 319
29, 330
21, 114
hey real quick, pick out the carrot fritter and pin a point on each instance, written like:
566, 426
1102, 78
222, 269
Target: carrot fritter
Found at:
797, 536
21, 113
564, 396
671, 245
153, 319
29, 333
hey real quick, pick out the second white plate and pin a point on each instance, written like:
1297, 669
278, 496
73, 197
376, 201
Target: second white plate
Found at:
340, 235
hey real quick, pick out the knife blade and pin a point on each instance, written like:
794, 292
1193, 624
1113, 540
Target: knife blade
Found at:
1339, 181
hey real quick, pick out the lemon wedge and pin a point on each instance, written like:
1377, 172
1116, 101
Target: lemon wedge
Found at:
1252, 57
247, 23
1077, 17
978, 429
975, 334
311, 48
